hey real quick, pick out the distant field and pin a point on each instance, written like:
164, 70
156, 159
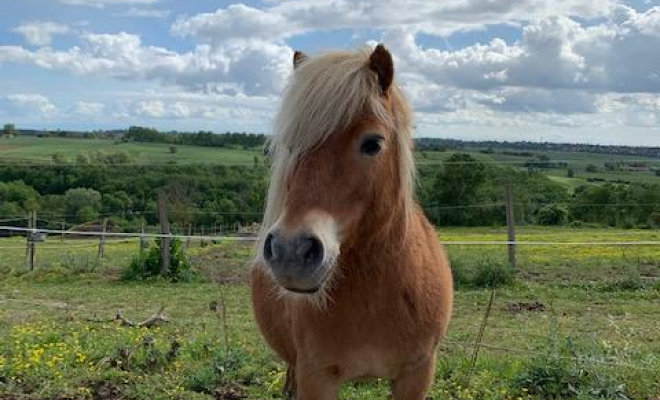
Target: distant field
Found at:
28, 149
576, 160
24, 149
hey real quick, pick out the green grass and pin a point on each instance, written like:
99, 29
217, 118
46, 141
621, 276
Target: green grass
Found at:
598, 333
28, 149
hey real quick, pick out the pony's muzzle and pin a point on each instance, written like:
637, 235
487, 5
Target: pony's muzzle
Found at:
296, 260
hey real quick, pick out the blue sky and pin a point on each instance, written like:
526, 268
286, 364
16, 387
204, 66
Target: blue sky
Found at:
542, 70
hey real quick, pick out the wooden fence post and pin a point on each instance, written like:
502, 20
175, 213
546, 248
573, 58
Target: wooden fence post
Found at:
510, 223
143, 243
30, 257
189, 238
63, 225
28, 243
101, 253
165, 235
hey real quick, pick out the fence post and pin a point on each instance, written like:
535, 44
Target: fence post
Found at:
101, 253
143, 243
510, 224
165, 235
188, 239
63, 225
28, 240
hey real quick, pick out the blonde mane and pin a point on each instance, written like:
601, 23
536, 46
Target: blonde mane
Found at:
324, 96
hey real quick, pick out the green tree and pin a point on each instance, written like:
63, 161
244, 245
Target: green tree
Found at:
58, 158
459, 185
17, 198
9, 130
82, 204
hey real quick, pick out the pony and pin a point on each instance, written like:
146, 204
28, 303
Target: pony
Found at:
349, 281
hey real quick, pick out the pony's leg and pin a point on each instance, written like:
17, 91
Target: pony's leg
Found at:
289, 390
314, 385
413, 383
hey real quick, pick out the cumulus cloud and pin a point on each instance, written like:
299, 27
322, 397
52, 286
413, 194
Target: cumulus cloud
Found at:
39, 33
251, 68
555, 52
106, 3
541, 100
289, 18
29, 103
147, 13
89, 109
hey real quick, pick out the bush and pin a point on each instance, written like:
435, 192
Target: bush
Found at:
148, 264
481, 272
631, 281
566, 371
552, 215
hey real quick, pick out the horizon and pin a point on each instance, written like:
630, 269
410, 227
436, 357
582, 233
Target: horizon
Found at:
567, 72
415, 137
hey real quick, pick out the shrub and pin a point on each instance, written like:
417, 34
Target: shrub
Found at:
552, 215
566, 371
631, 281
148, 264
482, 272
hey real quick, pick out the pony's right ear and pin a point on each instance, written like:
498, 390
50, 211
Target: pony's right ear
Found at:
298, 58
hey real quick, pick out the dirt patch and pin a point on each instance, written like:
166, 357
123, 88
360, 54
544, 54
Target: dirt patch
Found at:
229, 393
106, 391
526, 306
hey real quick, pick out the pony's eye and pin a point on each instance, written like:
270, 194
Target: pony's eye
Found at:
371, 145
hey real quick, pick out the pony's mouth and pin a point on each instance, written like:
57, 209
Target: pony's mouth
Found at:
304, 291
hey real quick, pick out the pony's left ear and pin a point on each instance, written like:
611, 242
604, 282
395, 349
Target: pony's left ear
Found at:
381, 63
298, 58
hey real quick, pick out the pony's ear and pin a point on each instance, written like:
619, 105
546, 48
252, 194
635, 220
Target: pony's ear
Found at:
381, 63
298, 58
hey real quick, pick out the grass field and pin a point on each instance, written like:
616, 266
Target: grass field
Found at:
594, 335
27, 149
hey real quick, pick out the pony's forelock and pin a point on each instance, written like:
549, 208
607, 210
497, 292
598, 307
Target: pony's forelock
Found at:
325, 95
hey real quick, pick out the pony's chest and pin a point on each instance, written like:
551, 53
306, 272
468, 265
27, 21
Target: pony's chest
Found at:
371, 340
375, 360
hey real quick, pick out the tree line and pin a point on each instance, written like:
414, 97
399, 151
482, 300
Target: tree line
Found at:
201, 138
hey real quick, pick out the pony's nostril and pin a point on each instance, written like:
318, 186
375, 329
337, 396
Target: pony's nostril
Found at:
310, 249
304, 246
268, 247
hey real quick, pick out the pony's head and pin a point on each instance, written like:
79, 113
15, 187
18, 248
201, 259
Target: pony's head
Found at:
342, 165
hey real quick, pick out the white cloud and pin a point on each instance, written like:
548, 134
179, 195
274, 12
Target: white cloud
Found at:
39, 33
555, 52
147, 13
251, 68
105, 3
560, 101
89, 109
28, 103
284, 19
